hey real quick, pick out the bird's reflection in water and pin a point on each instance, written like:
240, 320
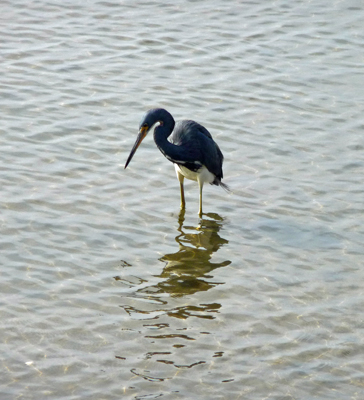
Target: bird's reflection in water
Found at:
188, 270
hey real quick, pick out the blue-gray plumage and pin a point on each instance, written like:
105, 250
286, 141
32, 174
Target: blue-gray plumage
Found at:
190, 147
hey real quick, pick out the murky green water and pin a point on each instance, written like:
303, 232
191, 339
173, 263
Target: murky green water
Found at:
107, 290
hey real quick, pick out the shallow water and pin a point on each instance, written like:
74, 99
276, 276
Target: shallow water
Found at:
107, 290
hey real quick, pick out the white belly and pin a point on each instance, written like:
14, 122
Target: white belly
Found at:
203, 175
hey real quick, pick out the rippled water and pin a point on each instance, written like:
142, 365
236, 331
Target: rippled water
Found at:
107, 291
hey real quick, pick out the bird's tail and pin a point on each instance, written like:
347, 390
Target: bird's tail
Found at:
218, 182
225, 186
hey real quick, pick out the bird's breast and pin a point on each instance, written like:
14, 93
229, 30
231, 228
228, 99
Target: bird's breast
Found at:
202, 174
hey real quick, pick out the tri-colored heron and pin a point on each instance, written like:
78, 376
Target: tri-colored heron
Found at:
190, 147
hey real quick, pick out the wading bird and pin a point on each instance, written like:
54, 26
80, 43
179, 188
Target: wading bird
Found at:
190, 147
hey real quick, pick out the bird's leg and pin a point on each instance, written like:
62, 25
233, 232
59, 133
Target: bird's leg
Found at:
181, 179
200, 208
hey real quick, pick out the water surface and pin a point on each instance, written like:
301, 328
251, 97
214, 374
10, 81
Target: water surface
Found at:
107, 290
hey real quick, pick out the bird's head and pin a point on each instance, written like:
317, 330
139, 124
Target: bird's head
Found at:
150, 118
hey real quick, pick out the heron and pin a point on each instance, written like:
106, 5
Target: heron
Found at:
188, 145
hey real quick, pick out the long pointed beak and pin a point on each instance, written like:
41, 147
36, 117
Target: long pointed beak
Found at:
141, 135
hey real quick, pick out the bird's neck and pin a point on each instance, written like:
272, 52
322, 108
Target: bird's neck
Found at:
162, 131
161, 134
166, 124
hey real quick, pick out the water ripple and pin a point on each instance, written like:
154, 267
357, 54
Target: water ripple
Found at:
108, 291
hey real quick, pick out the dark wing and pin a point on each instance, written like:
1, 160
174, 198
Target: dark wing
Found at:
197, 148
